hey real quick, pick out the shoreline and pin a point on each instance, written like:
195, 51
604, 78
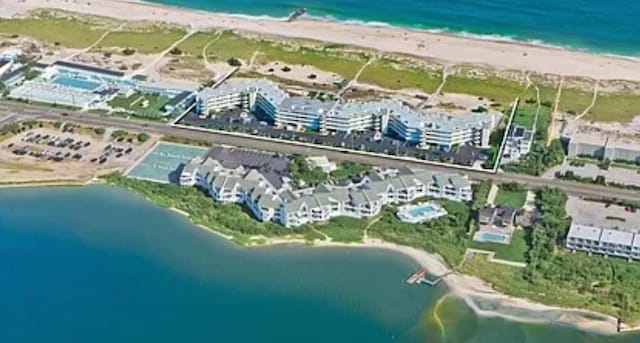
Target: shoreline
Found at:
441, 47
471, 289
496, 38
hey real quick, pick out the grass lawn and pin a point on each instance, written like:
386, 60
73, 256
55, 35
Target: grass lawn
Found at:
514, 199
349, 169
615, 107
525, 115
494, 88
395, 75
513, 252
67, 32
135, 103
150, 40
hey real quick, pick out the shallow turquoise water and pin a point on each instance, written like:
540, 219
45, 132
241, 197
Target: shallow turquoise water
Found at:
603, 26
98, 264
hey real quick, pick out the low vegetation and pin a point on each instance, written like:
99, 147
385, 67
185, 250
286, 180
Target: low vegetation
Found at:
49, 28
512, 195
150, 40
391, 74
615, 107
446, 236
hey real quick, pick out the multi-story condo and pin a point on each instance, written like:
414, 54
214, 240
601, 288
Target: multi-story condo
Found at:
269, 200
608, 242
442, 130
387, 116
251, 94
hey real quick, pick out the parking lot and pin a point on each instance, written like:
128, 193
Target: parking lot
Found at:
603, 215
47, 153
238, 120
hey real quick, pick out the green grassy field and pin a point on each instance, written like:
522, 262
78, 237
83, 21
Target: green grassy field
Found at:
67, 32
230, 44
515, 251
616, 107
574, 101
135, 103
150, 40
525, 116
494, 88
514, 199
394, 75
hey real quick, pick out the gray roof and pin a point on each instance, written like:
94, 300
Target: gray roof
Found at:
616, 237
585, 232
306, 105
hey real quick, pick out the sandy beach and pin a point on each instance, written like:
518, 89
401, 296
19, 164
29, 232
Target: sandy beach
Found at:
442, 48
475, 291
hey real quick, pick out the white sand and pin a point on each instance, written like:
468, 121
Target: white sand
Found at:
439, 47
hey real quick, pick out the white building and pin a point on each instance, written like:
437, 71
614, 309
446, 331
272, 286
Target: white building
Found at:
279, 204
608, 242
387, 116
252, 94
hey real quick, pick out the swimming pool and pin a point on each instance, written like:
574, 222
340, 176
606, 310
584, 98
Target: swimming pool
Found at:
492, 237
77, 82
424, 210
420, 212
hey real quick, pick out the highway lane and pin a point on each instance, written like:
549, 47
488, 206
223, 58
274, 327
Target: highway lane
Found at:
572, 188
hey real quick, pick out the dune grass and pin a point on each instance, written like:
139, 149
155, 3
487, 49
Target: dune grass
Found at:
495, 88
615, 107
574, 101
395, 75
69, 32
149, 40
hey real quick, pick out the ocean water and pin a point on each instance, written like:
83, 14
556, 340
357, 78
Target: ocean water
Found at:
98, 264
599, 26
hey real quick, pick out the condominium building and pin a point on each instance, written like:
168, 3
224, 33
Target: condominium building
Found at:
442, 130
387, 116
608, 242
271, 200
603, 147
251, 94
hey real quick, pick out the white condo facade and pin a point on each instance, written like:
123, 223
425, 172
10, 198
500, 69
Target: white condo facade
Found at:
387, 116
289, 208
608, 242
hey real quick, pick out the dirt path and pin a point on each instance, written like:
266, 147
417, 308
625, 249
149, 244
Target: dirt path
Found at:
87, 49
554, 114
355, 77
207, 65
593, 102
161, 55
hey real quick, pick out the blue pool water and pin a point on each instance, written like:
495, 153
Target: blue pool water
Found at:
425, 210
76, 82
493, 237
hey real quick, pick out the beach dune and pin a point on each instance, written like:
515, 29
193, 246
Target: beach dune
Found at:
442, 48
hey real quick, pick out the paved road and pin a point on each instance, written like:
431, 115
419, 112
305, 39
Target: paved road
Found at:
571, 188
